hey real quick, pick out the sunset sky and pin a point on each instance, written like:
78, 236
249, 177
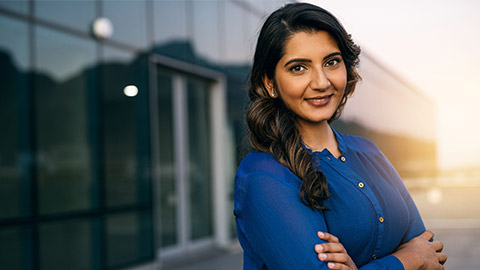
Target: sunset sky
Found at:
434, 45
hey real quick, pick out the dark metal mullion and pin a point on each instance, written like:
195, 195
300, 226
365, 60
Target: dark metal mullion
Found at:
34, 250
99, 228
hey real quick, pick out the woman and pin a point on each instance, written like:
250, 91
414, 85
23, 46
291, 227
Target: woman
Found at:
303, 177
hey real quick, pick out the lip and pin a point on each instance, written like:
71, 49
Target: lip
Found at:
319, 101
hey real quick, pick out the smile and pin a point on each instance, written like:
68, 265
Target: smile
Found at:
319, 101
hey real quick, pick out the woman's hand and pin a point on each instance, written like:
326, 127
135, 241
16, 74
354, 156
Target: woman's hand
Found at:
420, 253
334, 253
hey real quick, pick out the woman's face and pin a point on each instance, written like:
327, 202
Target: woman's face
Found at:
310, 77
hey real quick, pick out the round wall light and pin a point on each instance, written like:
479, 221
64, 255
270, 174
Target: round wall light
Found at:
130, 90
102, 28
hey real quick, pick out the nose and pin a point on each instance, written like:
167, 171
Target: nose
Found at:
319, 80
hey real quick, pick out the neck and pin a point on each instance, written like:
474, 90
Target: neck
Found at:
318, 136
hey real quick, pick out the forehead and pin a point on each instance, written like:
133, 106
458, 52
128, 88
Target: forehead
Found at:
310, 44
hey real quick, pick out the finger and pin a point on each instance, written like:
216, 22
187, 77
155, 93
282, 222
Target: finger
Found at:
438, 246
442, 258
427, 235
334, 257
330, 247
340, 266
328, 237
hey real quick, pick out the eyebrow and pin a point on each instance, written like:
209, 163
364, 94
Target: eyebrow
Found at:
303, 60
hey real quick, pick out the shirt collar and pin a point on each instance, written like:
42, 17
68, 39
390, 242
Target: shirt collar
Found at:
340, 141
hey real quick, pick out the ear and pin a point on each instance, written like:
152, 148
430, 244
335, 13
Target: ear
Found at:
269, 85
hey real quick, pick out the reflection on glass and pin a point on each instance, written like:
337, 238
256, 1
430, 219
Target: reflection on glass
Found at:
170, 21
17, 6
61, 114
129, 238
71, 13
119, 129
66, 245
14, 200
166, 191
129, 21
205, 29
61, 56
12, 249
236, 41
199, 164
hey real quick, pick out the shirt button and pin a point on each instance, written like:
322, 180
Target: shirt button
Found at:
342, 158
381, 219
374, 256
361, 184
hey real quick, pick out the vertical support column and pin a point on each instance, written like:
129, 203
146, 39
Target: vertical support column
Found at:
181, 157
155, 158
219, 125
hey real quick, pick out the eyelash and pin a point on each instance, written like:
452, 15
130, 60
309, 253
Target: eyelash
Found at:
292, 69
329, 63
337, 60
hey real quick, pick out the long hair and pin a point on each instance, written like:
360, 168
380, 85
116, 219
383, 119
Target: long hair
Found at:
273, 127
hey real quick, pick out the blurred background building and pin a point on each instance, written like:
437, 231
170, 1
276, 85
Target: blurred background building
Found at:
122, 126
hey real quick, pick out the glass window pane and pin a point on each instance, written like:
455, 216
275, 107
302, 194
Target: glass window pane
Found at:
205, 29
166, 192
170, 21
77, 14
129, 238
171, 36
61, 83
199, 164
15, 5
236, 41
13, 249
66, 245
14, 177
129, 19
120, 128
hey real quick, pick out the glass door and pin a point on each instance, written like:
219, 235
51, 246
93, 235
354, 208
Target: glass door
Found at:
184, 182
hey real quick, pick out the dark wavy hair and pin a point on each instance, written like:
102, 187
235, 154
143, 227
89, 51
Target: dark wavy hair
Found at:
273, 127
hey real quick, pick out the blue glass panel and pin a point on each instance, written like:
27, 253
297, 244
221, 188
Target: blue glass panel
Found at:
14, 154
62, 81
20, 6
129, 19
77, 14
66, 245
206, 25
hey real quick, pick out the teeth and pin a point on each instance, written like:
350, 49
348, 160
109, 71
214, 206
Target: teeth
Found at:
318, 99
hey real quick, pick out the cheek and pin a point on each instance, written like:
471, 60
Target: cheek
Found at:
290, 88
339, 81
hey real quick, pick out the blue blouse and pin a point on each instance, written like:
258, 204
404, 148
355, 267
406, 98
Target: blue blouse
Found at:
370, 210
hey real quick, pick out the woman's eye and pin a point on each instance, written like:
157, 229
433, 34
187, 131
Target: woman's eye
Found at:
297, 68
332, 62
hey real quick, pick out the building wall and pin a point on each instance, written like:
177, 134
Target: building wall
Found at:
93, 179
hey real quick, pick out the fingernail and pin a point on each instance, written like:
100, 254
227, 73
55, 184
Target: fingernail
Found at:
318, 248
320, 234
322, 256
331, 265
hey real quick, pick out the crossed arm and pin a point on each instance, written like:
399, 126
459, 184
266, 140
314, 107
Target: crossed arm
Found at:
284, 233
418, 253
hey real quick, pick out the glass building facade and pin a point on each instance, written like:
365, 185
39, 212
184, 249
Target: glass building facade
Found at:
121, 150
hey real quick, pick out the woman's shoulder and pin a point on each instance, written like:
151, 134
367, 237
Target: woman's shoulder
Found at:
257, 161
261, 163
